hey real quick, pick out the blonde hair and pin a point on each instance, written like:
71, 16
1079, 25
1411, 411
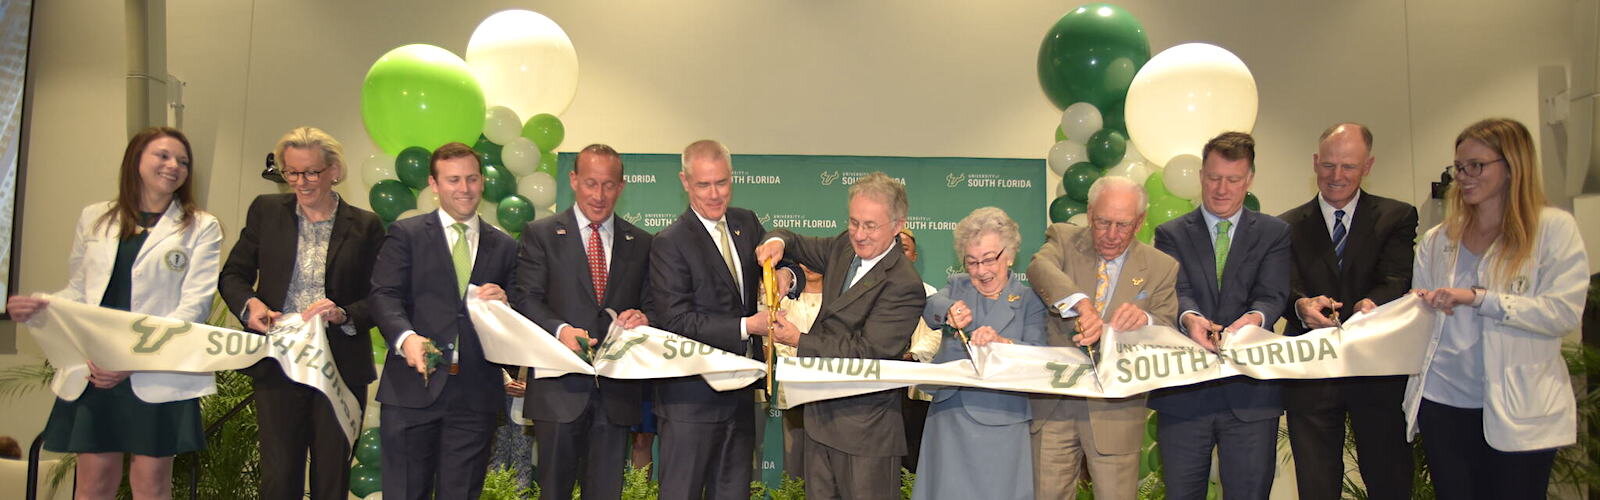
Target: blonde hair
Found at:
1519, 223
314, 139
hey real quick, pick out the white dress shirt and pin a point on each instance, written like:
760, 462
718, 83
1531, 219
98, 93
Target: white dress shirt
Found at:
1233, 230
450, 237
607, 232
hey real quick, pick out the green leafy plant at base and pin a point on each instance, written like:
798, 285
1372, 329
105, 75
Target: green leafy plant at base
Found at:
501, 484
636, 484
230, 464
789, 488
908, 483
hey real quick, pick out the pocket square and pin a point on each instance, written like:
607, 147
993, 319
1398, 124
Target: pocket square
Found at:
1143, 294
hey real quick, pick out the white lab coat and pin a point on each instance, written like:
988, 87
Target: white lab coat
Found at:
1529, 404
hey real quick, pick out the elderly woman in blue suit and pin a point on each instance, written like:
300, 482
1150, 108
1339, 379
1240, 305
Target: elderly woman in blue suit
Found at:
975, 444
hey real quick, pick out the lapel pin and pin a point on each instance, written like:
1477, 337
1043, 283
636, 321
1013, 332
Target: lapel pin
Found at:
628, 237
561, 231
737, 232
1138, 281
1013, 298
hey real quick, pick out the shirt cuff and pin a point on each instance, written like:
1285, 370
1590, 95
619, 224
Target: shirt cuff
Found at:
1263, 318
1065, 306
744, 333
348, 329
1149, 320
401, 340
774, 238
560, 328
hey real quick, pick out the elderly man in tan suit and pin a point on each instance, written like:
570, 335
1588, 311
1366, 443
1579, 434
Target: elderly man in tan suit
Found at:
1092, 277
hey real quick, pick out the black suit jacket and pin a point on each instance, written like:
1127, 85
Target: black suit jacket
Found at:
1255, 278
553, 286
693, 294
874, 319
262, 263
1377, 265
414, 288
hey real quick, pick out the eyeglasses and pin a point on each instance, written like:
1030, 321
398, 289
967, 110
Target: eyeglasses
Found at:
1471, 168
310, 175
868, 226
1106, 224
974, 264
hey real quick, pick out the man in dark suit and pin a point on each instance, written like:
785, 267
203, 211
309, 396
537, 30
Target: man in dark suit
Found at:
871, 301
437, 425
263, 278
1234, 271
571, 268
1352, 251
703, 282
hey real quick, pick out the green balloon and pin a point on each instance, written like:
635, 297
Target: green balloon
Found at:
1154, 187
365, 480
369, 448
549, 163
421, 95
514, 212
1064, 208
545, 130
1152, 458
1077, 180
1091, 54
1251, 202
389, 197
1147, 232
497, 182
1106, 147
1150, 422
1166, 208
488, 152
1060, 136
380, 346
411, 166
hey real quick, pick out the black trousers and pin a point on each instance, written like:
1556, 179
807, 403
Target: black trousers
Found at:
294, 419
713, 460
590, 445
441, 451
1463, 465
1317, 437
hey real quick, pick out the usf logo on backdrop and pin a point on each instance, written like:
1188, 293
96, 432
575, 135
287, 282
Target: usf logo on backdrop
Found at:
953, 179
153, 333
828, 177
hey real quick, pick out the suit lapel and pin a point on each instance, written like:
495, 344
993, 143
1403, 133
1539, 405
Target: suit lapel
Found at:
166, 227
344, 218
1243, 239
1130, 281
709, 252
570, 237
1001, 317
1312, 231
433, 238
1200, 240
487, 247
868, 281
1363, 229
741, 235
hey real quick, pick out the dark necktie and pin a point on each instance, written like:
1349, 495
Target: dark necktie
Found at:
597, 263
855, 265
1338, 236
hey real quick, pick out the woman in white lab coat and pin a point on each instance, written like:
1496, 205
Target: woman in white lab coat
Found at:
151, 251
1508, 275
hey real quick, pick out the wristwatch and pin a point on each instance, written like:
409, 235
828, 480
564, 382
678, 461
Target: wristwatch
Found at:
1478, 293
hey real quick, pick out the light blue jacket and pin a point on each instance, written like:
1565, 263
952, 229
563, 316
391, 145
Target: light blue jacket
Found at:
1022, 322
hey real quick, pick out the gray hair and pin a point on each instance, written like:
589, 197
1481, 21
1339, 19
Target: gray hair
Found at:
885, 189
987, 220
314, 139
706, 149
1118, 183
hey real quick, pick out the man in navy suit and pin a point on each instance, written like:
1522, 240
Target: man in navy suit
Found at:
703, 282
1233, 272
571, 268
437, 422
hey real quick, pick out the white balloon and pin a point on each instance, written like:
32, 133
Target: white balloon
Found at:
542, 212
376, 495
427, 200
377, 167
1137, 170
1081, 120
411, 213
1061, 189
1064, 154
520, 156
488, 211
1186, 95
538, 188
501, 125
1182, 177
524, 61
1080, 220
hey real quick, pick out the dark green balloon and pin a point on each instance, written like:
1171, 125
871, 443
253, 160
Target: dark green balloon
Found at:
1077, 179
488, 151
514, 212
1112, 118
411, 166
497, 182
1106, 147
365, 480
369, 450
389, 197
545, 130
1091, 55
1064, 208
1251, 202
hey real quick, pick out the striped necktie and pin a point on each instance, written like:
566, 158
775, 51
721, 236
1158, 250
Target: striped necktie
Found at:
1339, 233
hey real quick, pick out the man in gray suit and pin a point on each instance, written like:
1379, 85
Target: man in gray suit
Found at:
1234, 269
871, 300
1091, 277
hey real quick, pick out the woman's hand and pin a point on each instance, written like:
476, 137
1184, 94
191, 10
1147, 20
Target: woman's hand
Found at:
1446, 299
330, 312
984, 335
105, 379
23, 307
959, 316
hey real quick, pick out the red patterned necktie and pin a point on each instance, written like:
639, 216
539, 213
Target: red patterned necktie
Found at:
597, 263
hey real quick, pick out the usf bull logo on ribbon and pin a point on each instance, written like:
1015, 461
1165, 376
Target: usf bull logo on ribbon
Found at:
153, 333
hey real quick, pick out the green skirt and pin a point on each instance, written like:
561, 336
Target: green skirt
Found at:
116, 421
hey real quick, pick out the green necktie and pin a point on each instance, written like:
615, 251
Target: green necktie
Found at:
725, 245
855, 265
461, 256
1222, 244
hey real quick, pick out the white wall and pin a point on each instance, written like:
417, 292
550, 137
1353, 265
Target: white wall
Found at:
894, 77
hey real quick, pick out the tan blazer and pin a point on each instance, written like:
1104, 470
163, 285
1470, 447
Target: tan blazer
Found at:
1066, 265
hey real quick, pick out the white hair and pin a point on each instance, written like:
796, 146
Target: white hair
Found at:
1118, 183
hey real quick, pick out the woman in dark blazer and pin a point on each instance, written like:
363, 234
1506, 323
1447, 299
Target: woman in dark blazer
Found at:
305, 252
